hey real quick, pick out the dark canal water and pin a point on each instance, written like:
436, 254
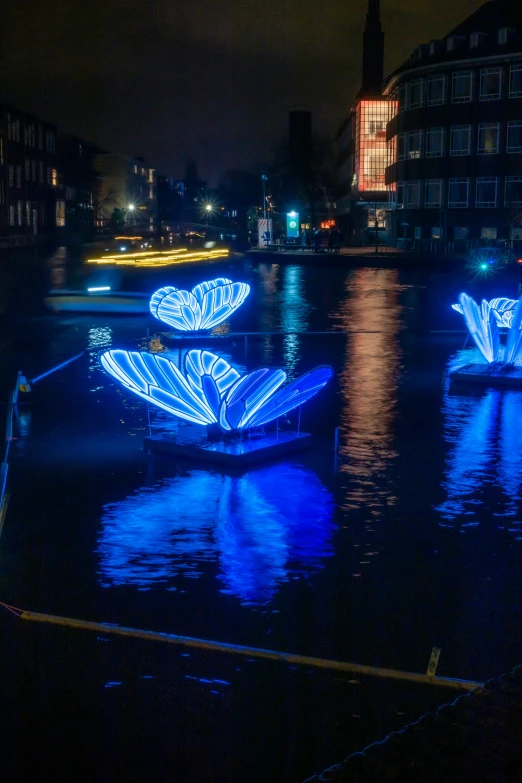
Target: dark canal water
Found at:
414, 541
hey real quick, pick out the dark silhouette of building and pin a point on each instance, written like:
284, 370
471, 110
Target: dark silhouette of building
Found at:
455, 142
171, 194
28, 179
76, 171
299, 152
373, 52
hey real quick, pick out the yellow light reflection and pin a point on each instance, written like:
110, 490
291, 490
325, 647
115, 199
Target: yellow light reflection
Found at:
165, 258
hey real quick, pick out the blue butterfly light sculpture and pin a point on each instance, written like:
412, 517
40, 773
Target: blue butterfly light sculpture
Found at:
483, 325
206, 306
210, 391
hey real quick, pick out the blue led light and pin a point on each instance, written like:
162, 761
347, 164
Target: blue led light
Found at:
483, 323
211, 391
206, 306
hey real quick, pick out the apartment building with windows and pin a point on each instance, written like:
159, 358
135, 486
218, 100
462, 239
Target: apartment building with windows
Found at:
455, 142
28, 179
129, 185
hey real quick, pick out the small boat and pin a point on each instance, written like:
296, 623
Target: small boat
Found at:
98, 299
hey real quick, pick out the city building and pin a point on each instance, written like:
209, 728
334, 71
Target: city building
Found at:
79, 188
365, 198
28, 179
455, 142
127, 193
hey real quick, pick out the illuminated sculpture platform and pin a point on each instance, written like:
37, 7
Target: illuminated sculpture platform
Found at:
237, 453
484, 323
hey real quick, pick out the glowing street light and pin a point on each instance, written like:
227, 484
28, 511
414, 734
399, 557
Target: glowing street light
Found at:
131, 207
209, 208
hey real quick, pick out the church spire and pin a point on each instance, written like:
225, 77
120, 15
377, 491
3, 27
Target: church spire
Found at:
373, 51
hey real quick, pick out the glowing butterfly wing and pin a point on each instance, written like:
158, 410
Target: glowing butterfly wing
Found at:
458, 308
514, 341
180, 309
218, 299
482, 325
157, 298
504, 310
247, 396
292, 396
159, 381
209, 377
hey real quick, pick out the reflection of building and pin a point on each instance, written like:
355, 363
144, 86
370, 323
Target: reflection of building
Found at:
364, 202
126, 184
456, 162
28, 179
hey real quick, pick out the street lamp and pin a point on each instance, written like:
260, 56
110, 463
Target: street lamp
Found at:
264, 179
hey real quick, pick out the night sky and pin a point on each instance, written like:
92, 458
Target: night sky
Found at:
208, 80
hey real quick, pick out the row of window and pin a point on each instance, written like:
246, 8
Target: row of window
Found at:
430, 193
462, 232
13, 134
27, 212
493, 84
14, 174
410, 146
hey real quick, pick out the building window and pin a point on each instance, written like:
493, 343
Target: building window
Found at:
413, 194
486, 192
460, 232
417, 232
41, 173
70, 193
40, 137
33, 170
60, 213
9, 133
151, 176
19, 175
401, 146
370, 143
135, 169
28, 213
19, 216
436, 90
10, 175
476, 39
50, 142
433, 193
415, 144
27, 168
54, 178
488, 232
16, 135
460, 140
434, 142
515, 81
399, 198
462, 87
490, 84
11, 215
458, 192
514, 136
513, 192
416, 93
402, 97
488, 138
436, 232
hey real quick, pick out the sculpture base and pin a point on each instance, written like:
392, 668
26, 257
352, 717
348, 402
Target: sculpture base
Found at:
232, 453
500, 375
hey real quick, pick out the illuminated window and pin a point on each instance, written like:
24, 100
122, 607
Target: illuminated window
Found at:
488, 138
513, 192
19, 216
488, 232
373, 215
490, 84
135, 169
413, 194
462, 87
402, 141
415, 144
60, 213
28, 213
151, 192
458, 192
434, 142
416, 93
54, 178
515, 81
487, 192
151, 176
433, 193
370, 143
460, 140
514, 136
10, 175
436, 232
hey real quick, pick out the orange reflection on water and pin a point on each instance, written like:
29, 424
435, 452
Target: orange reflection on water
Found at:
369, 384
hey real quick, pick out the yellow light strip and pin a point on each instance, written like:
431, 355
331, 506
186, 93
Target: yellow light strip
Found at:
163, 258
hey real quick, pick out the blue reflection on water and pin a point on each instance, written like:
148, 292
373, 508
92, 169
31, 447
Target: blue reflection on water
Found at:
485, 458
262, 528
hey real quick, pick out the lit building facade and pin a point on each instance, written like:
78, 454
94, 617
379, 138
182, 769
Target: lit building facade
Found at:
456, 137
126, 184
28, 179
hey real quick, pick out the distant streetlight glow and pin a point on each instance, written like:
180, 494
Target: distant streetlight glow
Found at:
131, 207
